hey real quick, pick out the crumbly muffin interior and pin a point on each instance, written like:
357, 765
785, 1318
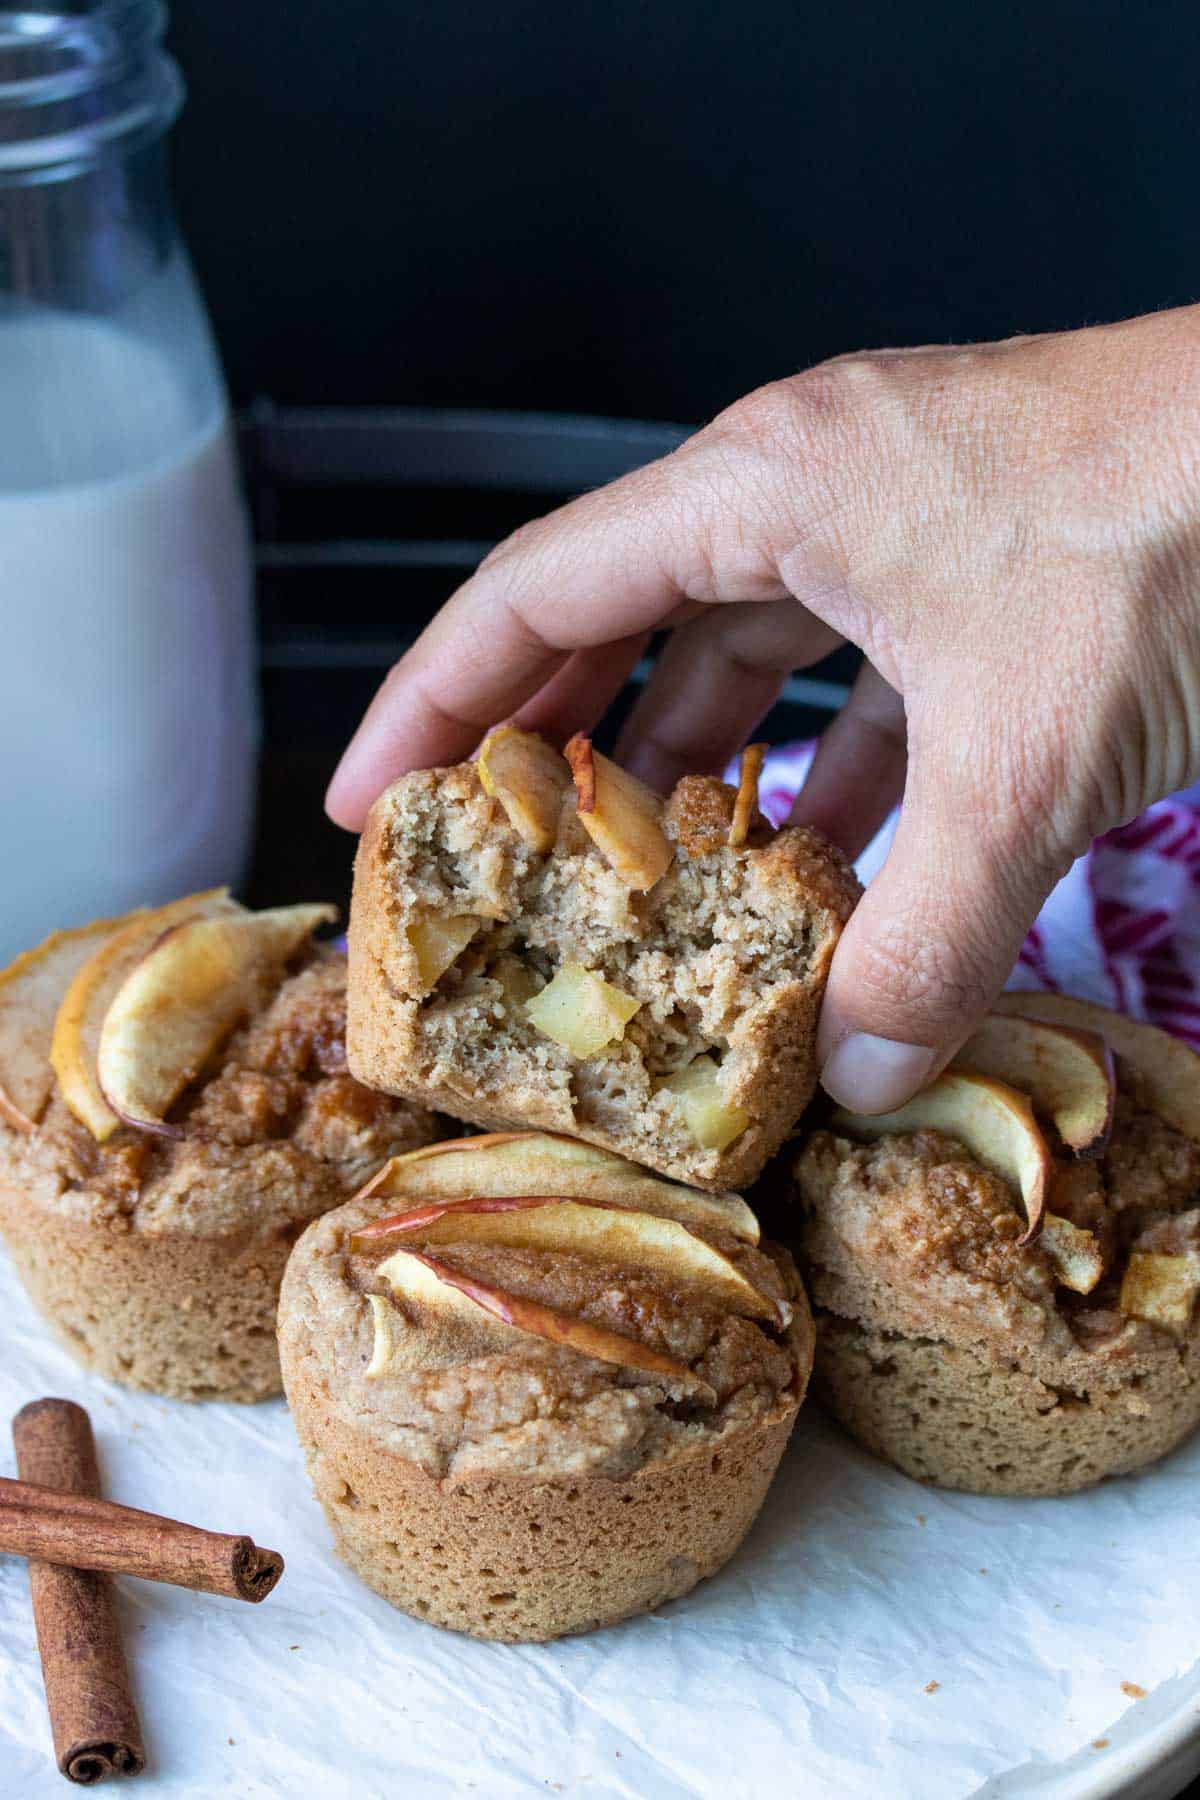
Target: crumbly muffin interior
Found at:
704, 954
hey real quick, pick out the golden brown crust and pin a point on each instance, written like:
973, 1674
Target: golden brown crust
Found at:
951, 1415
519, 1562
954, 1352
189, 1317
728, 953
157, 1260
494, 1481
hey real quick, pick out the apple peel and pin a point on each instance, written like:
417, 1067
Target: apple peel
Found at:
621, 815
596, 1231
991, 1120
81, 1012
1167, 1069
1067, 1072
520, 1163
31, 990
746, 804
531, 1317
582, 760
191, 989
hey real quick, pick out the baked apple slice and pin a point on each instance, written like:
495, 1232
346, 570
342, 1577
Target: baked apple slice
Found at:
597, 1232
529, 778
621, 815
991, 1120
434, 1285
745, 806
77, 1025
501, 1163
31, 989
1067, 1072
184, 997
1167, 1071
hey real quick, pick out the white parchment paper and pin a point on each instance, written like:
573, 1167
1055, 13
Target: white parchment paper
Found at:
806, 1667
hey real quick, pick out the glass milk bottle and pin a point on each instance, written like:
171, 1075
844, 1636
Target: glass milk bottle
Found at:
127, 696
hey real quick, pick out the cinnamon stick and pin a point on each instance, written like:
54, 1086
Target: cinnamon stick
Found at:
92, 1715
89, 1533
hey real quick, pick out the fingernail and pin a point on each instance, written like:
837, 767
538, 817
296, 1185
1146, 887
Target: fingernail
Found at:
870, 1074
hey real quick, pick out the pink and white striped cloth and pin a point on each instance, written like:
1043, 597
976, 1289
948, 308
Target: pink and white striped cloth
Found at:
1122, 928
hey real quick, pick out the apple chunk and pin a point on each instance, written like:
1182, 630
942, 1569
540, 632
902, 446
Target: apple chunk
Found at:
1074, 1252
521, 1163
603, 1233
184, 997
1160, 1289
31, 989
434, 1285
1167, 1070
529, 778
438, 943
581, 1011
992, 1121
1067, 1073
77, 1025
621, 815
712, 1120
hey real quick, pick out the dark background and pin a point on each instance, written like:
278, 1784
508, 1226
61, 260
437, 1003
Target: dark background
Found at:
640, 210
645, 209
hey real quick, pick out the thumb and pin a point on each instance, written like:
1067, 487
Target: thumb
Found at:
932, 941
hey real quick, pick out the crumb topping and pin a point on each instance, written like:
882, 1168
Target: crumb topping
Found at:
910, 1233
459, 1404
275, 1131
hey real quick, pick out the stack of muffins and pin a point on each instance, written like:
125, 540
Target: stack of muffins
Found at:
544, 1376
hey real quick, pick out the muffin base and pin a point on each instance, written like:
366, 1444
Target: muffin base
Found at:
520, 1560
187, 1316
949, 1416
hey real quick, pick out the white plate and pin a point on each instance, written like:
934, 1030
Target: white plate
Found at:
801, 1668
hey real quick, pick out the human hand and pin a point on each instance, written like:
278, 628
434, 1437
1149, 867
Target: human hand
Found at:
1011, 533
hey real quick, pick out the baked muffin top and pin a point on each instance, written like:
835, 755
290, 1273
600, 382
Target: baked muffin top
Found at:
910, 1233
478, 1339
271, 1130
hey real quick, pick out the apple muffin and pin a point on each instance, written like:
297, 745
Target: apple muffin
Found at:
174, 1108
538, 940
539, 1390
1005, 1271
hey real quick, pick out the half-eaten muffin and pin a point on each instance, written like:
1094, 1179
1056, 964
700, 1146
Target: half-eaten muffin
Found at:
174, 1108
1005, 1272
538, 1389
538, 940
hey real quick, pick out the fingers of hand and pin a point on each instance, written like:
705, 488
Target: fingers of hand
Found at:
857, 775
713, 523
579, 695
931, 943
715, 679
